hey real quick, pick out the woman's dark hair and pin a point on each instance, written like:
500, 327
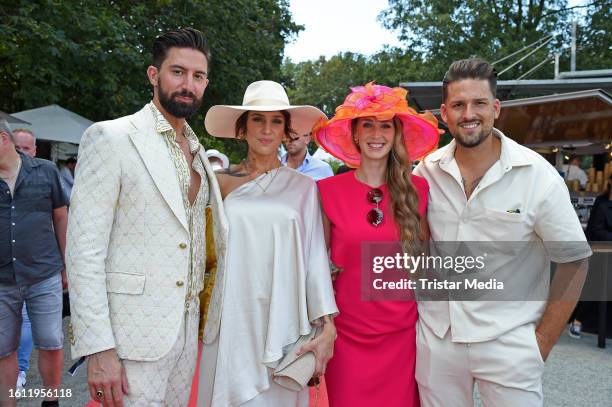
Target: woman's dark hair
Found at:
241, 124
180, 38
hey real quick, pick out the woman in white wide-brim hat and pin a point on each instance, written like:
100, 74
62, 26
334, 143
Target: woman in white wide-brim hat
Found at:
276, 285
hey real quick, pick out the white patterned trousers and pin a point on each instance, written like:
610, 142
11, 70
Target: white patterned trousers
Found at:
166, 382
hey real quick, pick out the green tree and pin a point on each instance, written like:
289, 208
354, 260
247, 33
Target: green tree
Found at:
442, 31
326, 82
595, 38
91, 56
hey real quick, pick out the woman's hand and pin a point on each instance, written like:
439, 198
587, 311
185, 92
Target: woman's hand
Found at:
322, 346
335, 271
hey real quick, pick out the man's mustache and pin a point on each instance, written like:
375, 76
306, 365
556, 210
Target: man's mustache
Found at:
184, 93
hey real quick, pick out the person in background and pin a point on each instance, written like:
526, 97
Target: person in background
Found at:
376, 132
599, 228
67, 174
33, 218
298, 157
218, 160
25, 349
25, 141
572, 171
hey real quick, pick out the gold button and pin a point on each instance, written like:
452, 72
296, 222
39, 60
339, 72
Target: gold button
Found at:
183, 245
179, 283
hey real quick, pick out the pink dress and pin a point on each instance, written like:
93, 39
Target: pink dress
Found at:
375, 352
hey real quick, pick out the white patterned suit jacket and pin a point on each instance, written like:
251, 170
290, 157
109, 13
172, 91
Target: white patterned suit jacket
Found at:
128, 242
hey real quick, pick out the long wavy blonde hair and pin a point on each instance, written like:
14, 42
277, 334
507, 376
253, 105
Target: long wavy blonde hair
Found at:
404, 198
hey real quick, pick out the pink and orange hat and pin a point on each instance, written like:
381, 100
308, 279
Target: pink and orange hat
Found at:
421, 133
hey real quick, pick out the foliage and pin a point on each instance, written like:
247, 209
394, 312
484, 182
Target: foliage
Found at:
91, 56
326, 82
442, 31
595, 38
334, 164
437, 32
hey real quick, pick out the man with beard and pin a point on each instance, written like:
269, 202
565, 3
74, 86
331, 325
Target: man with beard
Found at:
136, 236
486, 187
299, 158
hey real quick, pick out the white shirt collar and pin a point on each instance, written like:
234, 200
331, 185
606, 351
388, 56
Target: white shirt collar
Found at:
511, 155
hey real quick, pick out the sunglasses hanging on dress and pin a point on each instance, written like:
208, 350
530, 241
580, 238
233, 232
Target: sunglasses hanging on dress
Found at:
375, 216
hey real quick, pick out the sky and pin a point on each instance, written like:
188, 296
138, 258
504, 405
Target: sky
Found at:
333, 26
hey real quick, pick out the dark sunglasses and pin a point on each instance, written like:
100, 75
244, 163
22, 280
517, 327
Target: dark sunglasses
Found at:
375, 216
290, 139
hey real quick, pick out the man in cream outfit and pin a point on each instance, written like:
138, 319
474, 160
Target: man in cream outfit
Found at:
486, 187
136, 237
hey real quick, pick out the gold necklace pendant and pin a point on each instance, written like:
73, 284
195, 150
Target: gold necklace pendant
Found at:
269, 183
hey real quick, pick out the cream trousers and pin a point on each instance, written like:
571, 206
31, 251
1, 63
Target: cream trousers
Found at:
508, 370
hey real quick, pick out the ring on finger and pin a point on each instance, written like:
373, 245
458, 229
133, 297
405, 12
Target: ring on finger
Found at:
99, 394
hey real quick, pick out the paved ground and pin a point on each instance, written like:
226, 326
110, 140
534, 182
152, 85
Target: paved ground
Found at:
578, 374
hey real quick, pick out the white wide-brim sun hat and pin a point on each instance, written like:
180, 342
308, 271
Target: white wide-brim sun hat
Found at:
262, 96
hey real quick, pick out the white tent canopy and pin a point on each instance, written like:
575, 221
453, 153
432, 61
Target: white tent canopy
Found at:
54, 123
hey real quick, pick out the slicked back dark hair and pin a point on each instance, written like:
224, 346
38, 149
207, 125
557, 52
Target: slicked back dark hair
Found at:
471, 68
179, 38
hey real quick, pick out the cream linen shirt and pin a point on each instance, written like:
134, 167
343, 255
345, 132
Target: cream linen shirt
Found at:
521, 198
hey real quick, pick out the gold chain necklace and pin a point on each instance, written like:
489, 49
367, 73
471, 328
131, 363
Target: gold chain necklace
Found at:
247, 168
271, 181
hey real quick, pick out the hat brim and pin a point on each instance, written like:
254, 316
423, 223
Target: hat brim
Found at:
420, 138
220, 120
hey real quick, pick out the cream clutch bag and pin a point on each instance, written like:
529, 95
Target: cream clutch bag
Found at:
294, 372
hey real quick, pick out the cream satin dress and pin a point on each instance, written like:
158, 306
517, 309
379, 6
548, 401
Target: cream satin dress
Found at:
277, 283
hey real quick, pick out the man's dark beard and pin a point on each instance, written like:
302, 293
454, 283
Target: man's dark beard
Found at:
473, 143
178, 109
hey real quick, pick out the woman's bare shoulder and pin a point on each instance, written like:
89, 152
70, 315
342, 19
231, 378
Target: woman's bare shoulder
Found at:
231, 178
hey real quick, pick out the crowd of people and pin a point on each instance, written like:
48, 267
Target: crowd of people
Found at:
173, 256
